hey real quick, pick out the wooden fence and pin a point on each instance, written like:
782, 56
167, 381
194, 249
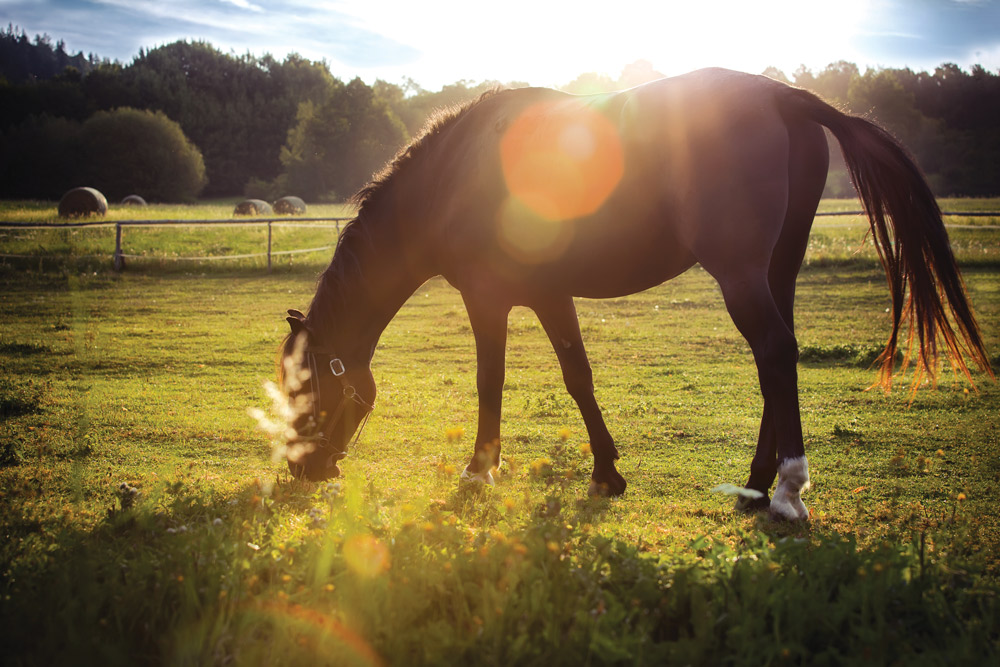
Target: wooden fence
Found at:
119, 256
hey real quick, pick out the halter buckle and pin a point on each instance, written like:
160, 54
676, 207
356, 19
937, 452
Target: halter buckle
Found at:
337, 367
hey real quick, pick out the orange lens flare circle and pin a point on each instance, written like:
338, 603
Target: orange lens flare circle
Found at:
560, 161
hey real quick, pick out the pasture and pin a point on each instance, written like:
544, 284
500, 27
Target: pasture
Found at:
144, 518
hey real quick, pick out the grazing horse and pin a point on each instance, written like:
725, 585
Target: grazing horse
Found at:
532, 197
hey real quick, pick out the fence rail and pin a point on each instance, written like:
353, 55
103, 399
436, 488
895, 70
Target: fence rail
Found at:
119, 257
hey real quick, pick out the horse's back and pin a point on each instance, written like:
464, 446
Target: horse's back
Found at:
604, 195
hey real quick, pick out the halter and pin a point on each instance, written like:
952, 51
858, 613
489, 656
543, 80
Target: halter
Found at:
339, 371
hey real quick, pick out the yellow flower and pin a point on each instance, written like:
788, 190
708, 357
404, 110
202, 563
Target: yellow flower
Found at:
564, 434
454, 434
585, 448
961, 497
540, 465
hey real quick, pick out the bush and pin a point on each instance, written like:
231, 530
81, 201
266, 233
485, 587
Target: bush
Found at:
129, 151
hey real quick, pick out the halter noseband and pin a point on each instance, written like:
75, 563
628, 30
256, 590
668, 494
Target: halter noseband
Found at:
339, 371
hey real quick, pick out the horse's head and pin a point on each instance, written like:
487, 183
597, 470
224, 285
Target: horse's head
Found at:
330, 397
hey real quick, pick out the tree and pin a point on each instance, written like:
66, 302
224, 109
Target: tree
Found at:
336, 146
128, 151
39, 157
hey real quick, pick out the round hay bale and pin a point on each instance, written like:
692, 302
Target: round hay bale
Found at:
290, 206
134, 200
253, 207
82, 201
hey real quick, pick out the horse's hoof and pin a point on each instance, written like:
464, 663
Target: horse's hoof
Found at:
482, 477
793, 478
748, 505
614, 486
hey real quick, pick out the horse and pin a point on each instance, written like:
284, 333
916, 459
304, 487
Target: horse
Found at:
531, 197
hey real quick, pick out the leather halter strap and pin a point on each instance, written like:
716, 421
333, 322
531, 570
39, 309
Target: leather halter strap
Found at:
335, 366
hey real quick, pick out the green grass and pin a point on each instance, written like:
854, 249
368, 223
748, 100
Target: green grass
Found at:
145, 379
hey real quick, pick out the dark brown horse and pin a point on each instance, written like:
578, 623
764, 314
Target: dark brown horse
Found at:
532, 197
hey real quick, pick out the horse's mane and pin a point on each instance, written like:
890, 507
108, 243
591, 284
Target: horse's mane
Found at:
345, 269
437, 124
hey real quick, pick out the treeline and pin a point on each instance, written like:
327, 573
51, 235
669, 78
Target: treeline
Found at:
266, 128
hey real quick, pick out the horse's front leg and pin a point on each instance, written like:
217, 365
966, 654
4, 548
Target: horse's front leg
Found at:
558, 317
489, 325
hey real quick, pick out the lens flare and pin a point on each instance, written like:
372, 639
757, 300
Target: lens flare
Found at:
366, 555
561, 161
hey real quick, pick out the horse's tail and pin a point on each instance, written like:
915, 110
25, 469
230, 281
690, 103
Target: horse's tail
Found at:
911, 241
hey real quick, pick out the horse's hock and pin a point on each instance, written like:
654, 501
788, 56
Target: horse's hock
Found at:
80, 202
290, 206
252, 207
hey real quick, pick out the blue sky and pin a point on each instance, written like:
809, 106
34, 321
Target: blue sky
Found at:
541, 42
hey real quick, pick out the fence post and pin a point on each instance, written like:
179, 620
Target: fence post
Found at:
269, 247
118, 262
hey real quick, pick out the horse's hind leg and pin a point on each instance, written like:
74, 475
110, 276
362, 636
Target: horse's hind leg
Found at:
755, 313
559, 319
808, 158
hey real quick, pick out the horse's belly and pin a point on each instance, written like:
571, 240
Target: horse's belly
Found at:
595, 258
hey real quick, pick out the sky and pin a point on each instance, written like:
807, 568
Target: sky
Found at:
540, 42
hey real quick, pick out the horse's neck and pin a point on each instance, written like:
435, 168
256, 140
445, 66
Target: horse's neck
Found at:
375, 280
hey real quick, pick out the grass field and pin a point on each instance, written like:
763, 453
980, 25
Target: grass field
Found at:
143, 518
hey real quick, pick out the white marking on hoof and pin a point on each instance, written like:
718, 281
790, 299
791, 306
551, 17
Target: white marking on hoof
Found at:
482, 477
793, 478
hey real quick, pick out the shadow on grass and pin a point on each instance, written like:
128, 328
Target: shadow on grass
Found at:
280, 572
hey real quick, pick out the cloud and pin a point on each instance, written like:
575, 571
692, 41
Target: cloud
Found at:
243, 4
118, 29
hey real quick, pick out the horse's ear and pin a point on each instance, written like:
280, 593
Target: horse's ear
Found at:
297, 321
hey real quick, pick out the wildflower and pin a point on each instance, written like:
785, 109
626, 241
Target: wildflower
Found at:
286, 578
541, 465
317, 517
585, 448
328, 588
940, 452
331, 490
961, 497
564, 434
552, 546
508, 504
127, 495
454, 434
